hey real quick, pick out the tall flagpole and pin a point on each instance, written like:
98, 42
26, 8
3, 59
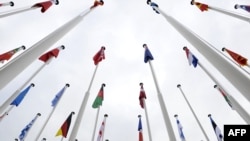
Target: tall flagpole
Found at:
238, 79
19, 63
196, 118
51, 113
15, 94
96, 119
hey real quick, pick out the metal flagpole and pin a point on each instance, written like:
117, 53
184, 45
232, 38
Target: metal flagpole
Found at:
51, 113
163, 107
96, 119
196, 118
232, 74
16, 11
15, 94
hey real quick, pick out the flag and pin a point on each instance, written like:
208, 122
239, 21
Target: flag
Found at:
27, 128
191, 58
101, 131
142, 96
201, 6
52, 53
6, 56
97, 3
44, 5
140, 129
238, 58
99, 56
216, 129
180, 129
98, 101
147, 55
58, 96
20, 97
225, 97
63, 131
244, 7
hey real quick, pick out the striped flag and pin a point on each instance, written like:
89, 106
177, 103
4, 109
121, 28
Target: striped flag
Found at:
191, 58
225, 96
45, 5
216, 129
63, 131
99, 56
236, 57
140, 129
21, 96
180, 128
244, 7
147, 54
142, 96
201, 6
98, 101
6, 56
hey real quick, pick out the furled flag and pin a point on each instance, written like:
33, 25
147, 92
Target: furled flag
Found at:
97, 3
147, 54
7, 3
6, 56
52, 53
46, 5
27, 128
153, 5
58, 96
99, 98
63, 131
244, 7
99, 56
101, 130
225, 96
191, 58
140, 129
20, 97
180, 128
142, 96
201, 6
238, 58
216, 129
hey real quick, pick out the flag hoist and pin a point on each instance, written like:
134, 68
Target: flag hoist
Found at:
18, 64
147, 58
239, 80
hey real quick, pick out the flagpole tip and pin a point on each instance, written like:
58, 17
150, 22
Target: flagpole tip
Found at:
209, 115
103, 84
72, 112
32, 84
236, 6
11, 3
57, 2
62, 46
144, 45
184, 48
223, 49
67, 85
175, 115
38, 114
141, 84
23, 47
103, 47
106, 115
139, 116
179, 85
215, 86
16, 139
192, 2
44, 139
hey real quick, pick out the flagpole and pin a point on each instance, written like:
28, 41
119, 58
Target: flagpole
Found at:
163, 107
196, 118
16, 11
147, 119
49, 116
19, 63
233, 75
15, 94
96, 119
105, 116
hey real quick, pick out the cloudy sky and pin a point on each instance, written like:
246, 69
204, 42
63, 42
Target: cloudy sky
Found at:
123, 27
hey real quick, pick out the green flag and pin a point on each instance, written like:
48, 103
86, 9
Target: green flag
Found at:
99, 98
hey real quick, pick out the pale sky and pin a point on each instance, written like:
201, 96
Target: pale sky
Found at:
123, 27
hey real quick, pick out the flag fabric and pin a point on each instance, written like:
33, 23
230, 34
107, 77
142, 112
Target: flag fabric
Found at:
44, 5
57, 97
180, 129
147, 54
191, 58
216, 129
99, 98
140, 130
238, 58
142, 96
97, 3
99, 56
6, 56
52, 53
225, 97
21, 96
244, 7
101, 131
63, 131
201, 6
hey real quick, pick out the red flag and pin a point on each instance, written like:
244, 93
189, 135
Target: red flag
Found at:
6, 56
201, 6
238, 58
96, 3
44, 5
99, 56
53, 53
142, 96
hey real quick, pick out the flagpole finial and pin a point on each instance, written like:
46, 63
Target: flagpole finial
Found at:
23, 47
56, 2
179, 85
236, 6
106, 115
175, 115
103, 85
192, 2
76, 139
11, 3
38, 114
62, 47
223, 49
141, 84
32, 84
139, 116
44, 139
215, 86
209, 115
144, 45
72, 112
103, 47
184, 48
67, 85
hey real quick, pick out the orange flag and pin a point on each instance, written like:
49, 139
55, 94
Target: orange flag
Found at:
238, 58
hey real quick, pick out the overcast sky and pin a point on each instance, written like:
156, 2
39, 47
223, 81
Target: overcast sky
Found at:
123, 27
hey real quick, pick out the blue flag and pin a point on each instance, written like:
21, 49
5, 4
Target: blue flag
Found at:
57, 97
180, 130
20, 97
147, 55
216, 129
191, 58
27, 128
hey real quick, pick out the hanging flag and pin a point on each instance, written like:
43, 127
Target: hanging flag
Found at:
244, 7
27, 128
216, 129
142, 96
63, 131
97, 3
140, 129
58, 96
45, 5
224, 95
147, 54
7, 3
153, 5
191, 58
6, 56
99, 98
238, 58
101, 130
180, 128
20, 97
52, 53
99, 56
201, 6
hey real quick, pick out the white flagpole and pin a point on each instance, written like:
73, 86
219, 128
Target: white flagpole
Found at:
105, 117
196, 118
17, 11
51, 113
163, 107
82, 109
15, 94
96, 119
238, 79
18, 64
147, 119
7, 3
